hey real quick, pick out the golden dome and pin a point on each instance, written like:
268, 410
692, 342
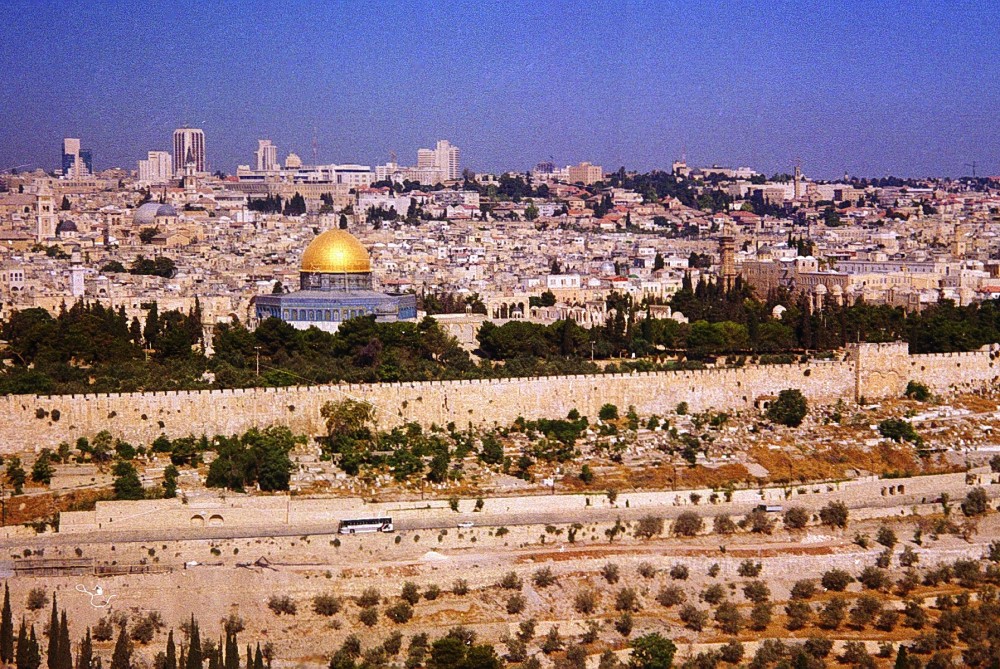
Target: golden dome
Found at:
336, 251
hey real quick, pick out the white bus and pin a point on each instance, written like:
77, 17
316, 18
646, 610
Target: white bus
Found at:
365, 525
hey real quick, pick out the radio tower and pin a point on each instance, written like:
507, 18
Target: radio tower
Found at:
315, 149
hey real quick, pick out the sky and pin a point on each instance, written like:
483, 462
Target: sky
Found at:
871, 88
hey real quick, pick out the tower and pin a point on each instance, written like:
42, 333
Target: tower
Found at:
76, 272
266, 155
727, 257
190, 178
45, 213
189, 141
798, 181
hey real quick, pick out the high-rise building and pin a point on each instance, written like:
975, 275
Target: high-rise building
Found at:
156, 169
426, 158
447, 158
266, 155
76, 162
188, 141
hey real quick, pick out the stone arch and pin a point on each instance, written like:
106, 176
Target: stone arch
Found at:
197, 520
215, 520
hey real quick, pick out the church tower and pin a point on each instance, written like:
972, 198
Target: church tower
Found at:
46, 219
727, 257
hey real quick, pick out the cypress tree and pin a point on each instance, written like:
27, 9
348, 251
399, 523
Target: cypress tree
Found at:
122, 657
85, 657
182, 659
258, 658
64, 658
21, 658
52, 654
194, 650
171, 661
213, 659
249, 657
6, 629
34, 656
232, 652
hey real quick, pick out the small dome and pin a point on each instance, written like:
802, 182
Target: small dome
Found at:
147, 213
820, 289
66, 226
837, 290
336, 252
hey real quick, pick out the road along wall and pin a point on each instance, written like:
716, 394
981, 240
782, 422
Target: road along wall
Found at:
869, 371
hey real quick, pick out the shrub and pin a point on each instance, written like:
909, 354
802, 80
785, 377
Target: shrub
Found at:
750, 569
714, 593
649, 527
552, 643
515, 604
326, 605
758, 522
908, 557
796, 518
646, 570
627, 600
729, 618
543, 577
976, 503
836, 580
789, 409
804, 589
511, 581
432, 592
818, 647
460, 587
760, 616
37, 599
351, 646
723, 524
526, 629
834, 514
410, 593
693, 617
887, 620
886, 536
917, 391
731, 652
832, 615
757, 591
370, 597
714, 570
899, 430
799, 613
914, 615
610, 572
679, 572
143, 630
585, 601
624, 624
282, 604
369, 615
104, 630
393, 644
864, 611
671, 596
874, 578
608, 412
688, 524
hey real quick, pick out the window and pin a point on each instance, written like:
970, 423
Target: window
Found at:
312, 315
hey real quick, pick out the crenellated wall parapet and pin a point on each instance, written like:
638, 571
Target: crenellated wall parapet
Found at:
868, 371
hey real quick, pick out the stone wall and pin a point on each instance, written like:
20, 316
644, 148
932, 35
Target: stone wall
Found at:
871, 371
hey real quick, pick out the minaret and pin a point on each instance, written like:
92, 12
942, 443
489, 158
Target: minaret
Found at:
45, 213
727, 257
76, 272
798, 181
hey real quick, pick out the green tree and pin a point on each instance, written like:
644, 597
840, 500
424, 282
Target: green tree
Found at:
789, 408
52, 653
127, 484
85, 655
194, 658
170, 482
121, 658
65, 648
652, 651
16, 476
6, 629
42, 470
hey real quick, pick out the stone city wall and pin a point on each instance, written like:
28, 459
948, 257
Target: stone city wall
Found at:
868, 371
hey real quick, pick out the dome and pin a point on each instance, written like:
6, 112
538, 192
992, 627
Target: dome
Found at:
336, 252
66, 226
147, 213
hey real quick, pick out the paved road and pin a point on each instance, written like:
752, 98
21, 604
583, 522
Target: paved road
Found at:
561, 517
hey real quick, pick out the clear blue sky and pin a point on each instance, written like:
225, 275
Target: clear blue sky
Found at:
872, 87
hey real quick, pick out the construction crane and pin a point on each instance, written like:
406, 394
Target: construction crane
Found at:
973, 166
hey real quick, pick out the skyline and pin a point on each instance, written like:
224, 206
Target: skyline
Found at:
843, 88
